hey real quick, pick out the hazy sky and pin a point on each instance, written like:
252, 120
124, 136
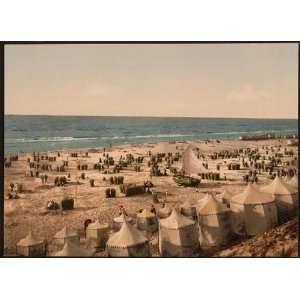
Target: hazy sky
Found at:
238, 80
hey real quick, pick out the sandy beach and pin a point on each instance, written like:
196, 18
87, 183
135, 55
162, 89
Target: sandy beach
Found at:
29, 211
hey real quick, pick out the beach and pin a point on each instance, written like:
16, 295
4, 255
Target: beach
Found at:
29, 211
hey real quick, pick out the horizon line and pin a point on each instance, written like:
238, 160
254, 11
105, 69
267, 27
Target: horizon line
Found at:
135, 116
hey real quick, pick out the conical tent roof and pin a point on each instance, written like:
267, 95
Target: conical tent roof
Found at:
165, 209
211, 206
122, 218
176, 221
71, 249
29, 240
127, 236
252, 196
65, 233
96, 225
293, 182
226, 195
146, 213
279, 187
191, 164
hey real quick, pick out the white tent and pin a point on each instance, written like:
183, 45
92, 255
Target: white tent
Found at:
146, 220
214, 222
73, 250
253, 211
97, 234
191, 164
225, 197
285, 195
189, 210
31, 246
128, 242
66, 234
294, 182
118, 221
178, 236
164, 212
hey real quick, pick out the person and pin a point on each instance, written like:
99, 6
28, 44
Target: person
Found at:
153, 210
122, 211
11, 186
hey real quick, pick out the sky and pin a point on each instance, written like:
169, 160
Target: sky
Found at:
188, 80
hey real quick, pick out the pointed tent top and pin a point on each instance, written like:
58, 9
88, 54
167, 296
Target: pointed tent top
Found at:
65, 233
279, 187
71, 249
127, 236
122, 218
226, 195
165, 209
96, 225
191, 164
252, 196
146, 213
176, 220
211, 206
294, 182
29, 240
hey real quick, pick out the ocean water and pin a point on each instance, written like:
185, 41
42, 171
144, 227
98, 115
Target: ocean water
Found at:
44, 133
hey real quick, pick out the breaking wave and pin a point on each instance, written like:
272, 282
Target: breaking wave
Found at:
52, 139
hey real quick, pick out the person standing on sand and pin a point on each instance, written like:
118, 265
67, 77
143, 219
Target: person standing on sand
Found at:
122, 211
153, 210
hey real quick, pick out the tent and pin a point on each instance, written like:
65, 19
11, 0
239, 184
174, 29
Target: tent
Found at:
178, 236
285, 195
73, 250
164, 212
31, 246
118, 221
294, 182
214, 222
66, 234
189, 210
191, 164
225, 197
253, 211
97, 234
128, 242
146, 220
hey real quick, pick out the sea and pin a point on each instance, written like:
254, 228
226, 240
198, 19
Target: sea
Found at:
47, 133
